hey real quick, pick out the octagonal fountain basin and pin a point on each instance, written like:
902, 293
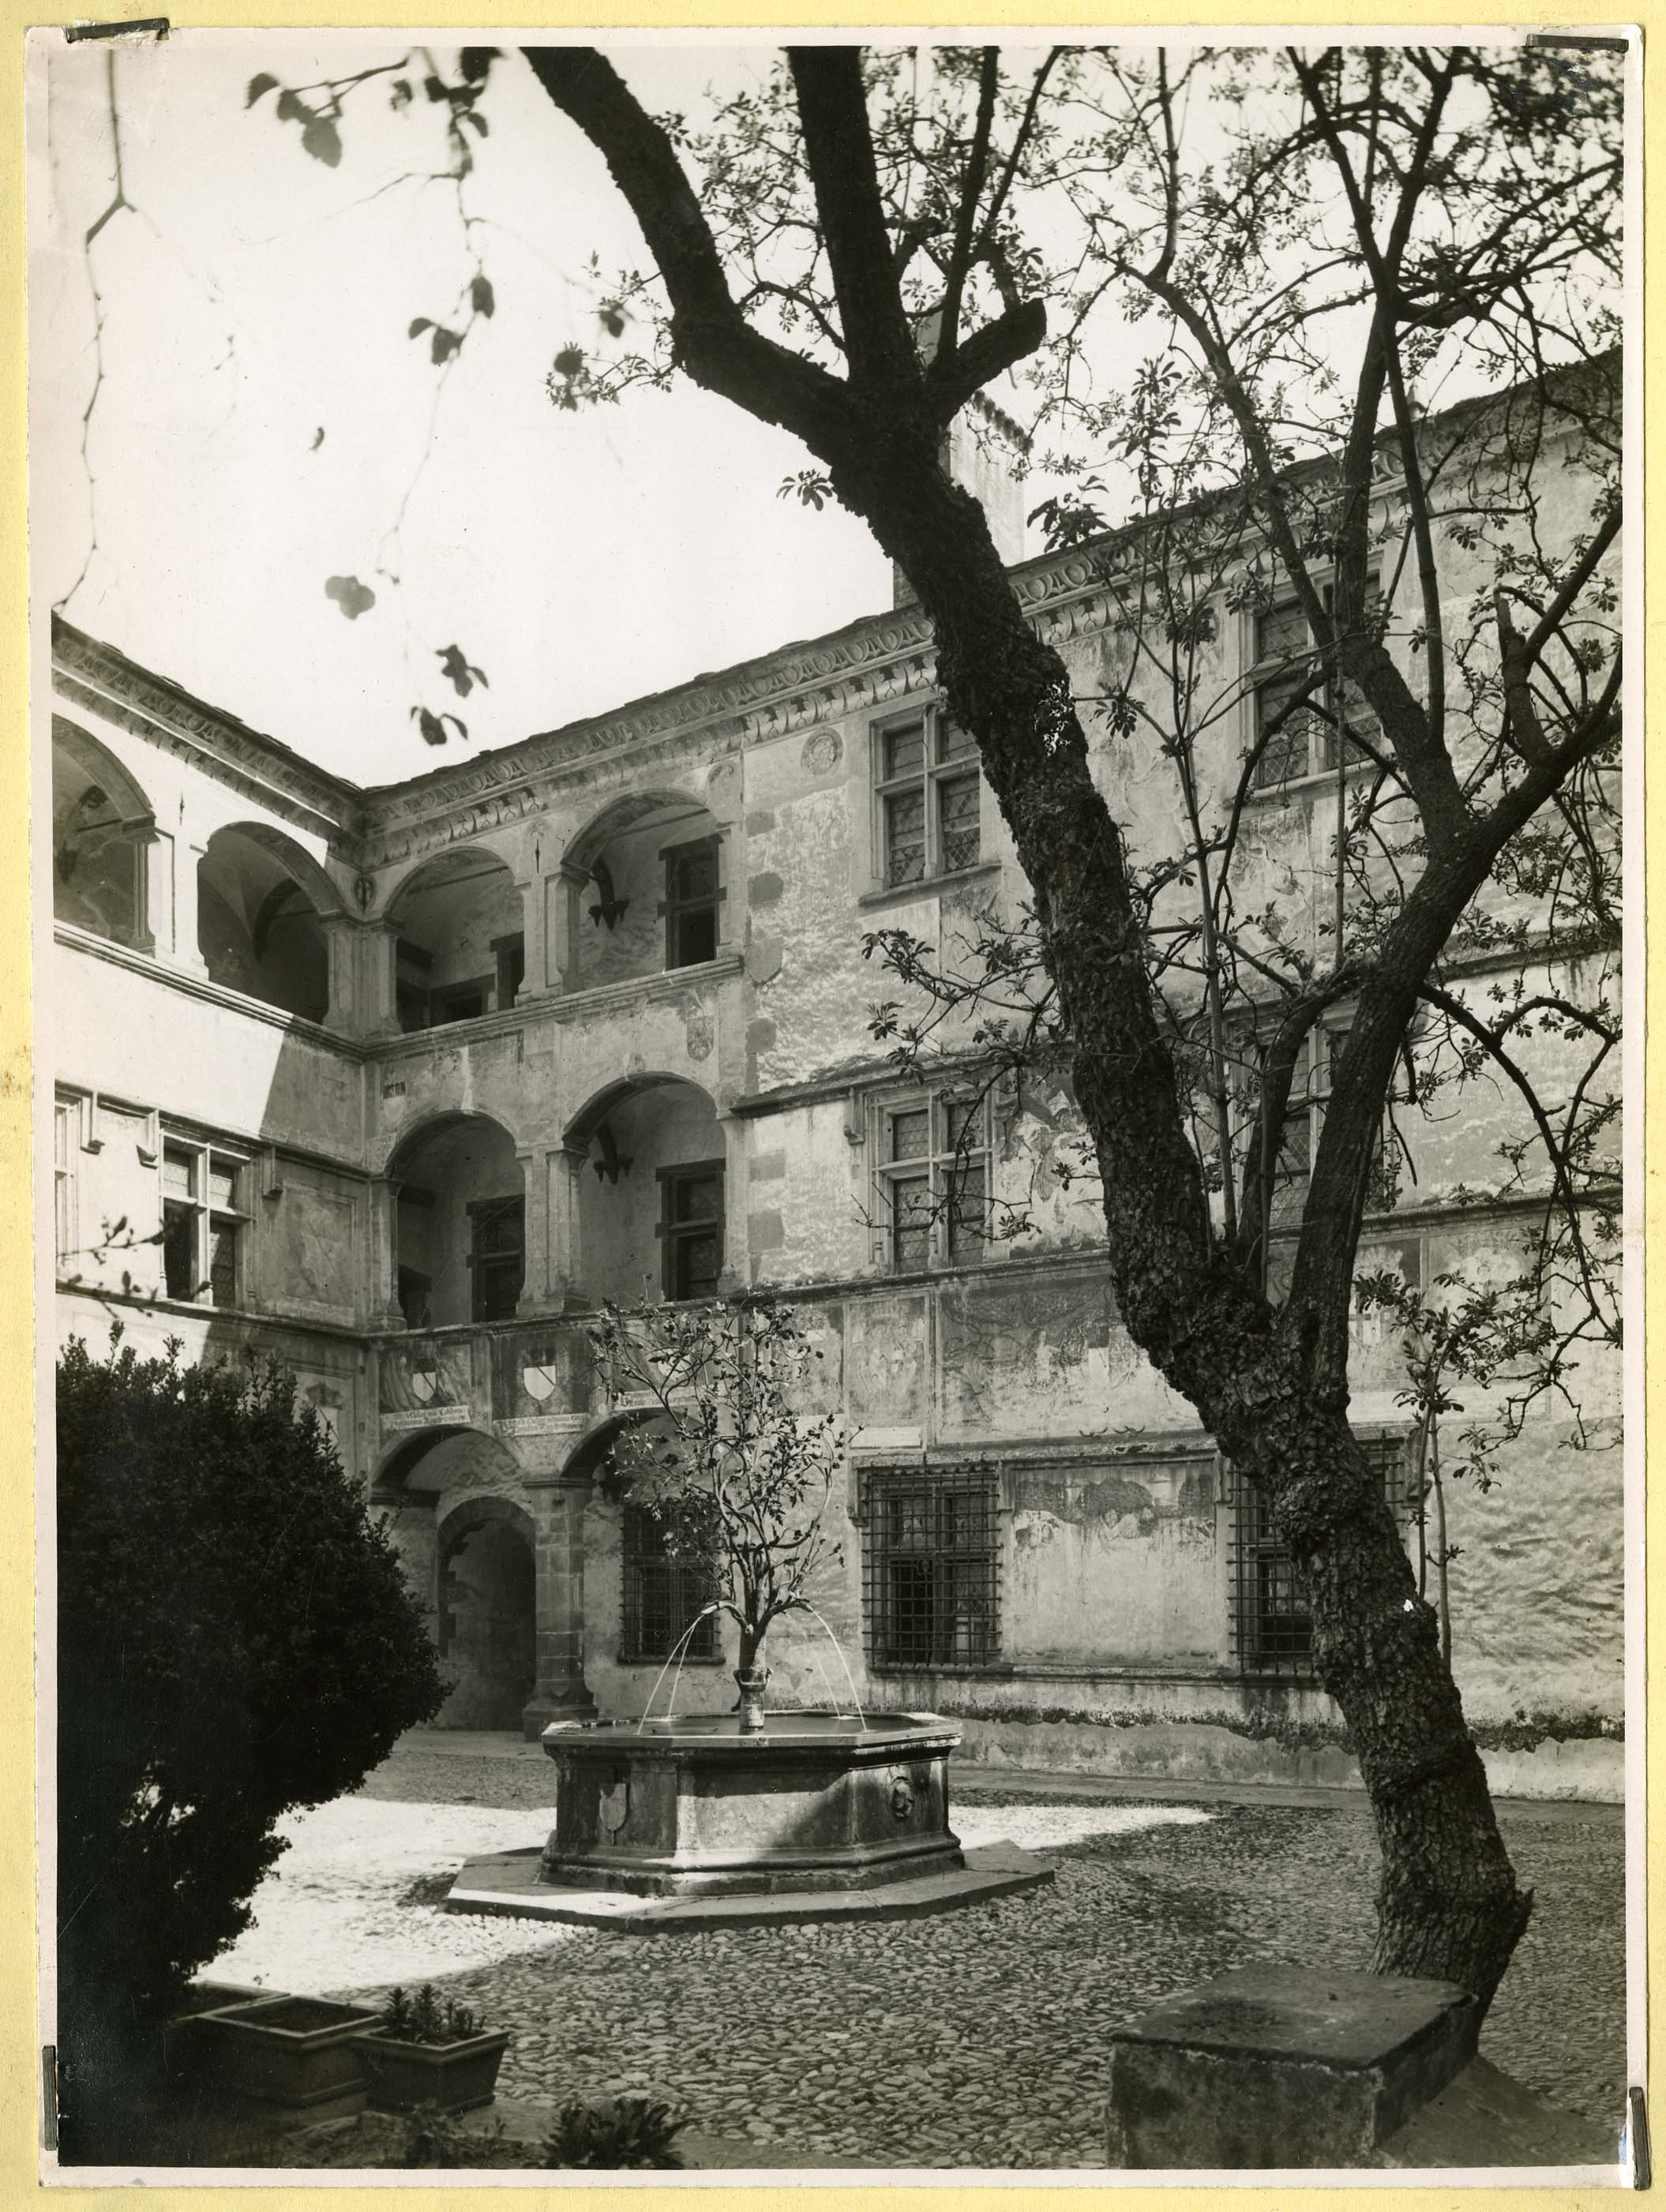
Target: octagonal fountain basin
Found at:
693, 1807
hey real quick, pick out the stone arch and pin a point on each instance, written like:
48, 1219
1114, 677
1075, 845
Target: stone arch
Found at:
624, 812
470, 1511
595, 1110
410, 1138
648, 1161
645, 889
589, 1458
487, 1609
459, 929
262, 901
448, 859
319, 885
396, 1482
103, 825
458, 1209
126, 794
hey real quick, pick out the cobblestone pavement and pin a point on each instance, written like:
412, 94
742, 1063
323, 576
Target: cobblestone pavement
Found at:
974, 2038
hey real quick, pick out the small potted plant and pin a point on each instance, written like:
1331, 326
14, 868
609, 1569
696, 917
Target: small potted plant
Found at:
424, 2052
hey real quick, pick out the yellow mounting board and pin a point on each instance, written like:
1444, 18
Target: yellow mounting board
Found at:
20, 2071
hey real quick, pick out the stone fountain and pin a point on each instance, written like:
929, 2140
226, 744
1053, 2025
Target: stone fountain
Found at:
703, 1806
710, 1819
704, 1822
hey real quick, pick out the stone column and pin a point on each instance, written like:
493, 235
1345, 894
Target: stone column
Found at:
341, 943
362, 964
565, 1166
541, 1293
561, 927
731, 877
155, 904
536, 980
385, 1311
185, 953
561, 1692
737, 1204
150, 901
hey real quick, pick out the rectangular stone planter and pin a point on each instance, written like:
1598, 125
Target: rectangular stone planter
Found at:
293, 2056
181, 2030
459, 2077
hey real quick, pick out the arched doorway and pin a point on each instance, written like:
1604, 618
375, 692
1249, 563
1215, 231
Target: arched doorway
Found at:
487, 1614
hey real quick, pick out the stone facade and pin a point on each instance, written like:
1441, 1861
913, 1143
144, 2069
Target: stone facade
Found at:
407, 1076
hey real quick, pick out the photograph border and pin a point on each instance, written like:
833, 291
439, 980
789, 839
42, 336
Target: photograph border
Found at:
23, 674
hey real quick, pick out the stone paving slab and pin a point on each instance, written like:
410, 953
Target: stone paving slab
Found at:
1485, 2117
976, 2040
507, 1882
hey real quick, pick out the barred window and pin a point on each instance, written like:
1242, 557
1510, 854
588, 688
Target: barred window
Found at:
1305, 743
663, 1596
203, 1223
1272, 1627
928, 789
934, 1176
932, 1568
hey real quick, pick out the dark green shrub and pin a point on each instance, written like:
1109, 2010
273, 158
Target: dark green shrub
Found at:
423, 2019
236, 1639
617, 2132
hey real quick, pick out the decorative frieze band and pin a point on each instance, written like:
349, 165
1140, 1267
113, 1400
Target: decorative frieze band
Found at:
106, 682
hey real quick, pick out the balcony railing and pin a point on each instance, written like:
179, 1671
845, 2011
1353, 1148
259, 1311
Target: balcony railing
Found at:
481, 1374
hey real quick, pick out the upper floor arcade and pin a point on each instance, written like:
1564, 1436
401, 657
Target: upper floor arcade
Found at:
680, 890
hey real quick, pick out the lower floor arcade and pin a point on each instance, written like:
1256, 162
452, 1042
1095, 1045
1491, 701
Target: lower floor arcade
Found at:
1020, 1536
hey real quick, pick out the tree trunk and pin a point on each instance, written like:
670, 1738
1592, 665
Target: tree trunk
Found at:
1272, 1386
1447, 1904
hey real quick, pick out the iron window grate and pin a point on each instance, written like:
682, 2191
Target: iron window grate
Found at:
662, 1596
931, 1569
1272, 1627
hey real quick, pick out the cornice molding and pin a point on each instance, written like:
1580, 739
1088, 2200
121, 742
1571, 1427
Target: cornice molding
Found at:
106, 682
870, 664
866, 666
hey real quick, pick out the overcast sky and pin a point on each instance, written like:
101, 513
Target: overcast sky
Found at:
255, 298
228, 410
